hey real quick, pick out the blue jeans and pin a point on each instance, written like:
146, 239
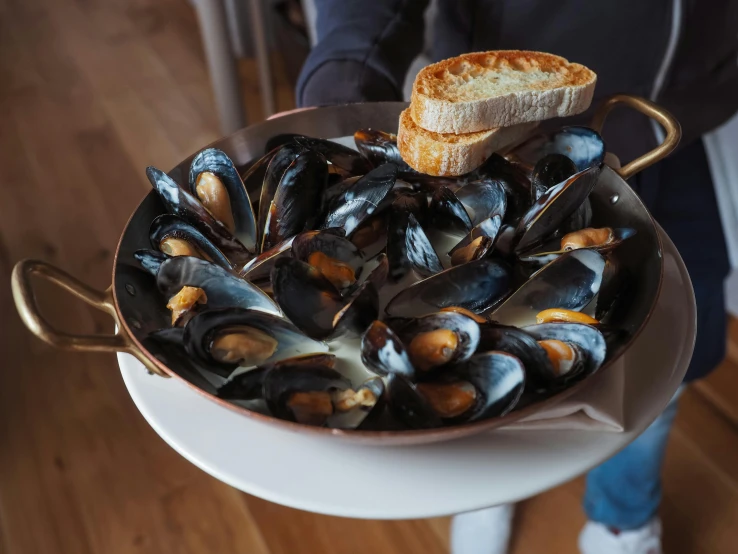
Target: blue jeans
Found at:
625, 491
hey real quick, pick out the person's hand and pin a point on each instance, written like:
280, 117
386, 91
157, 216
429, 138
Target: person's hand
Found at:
288, 112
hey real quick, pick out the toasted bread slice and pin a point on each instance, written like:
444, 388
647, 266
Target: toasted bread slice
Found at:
486, 90
447, 155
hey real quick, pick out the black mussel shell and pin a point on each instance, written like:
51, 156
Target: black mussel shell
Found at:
244, 386
408, 247
307, 298
150, 260
415, 203
466, 331
254, 173
552, 249
354, 318
360, 200
408, 405
475, 286
448, 213
428, 184
222, 288
379, 147
335, 246
362, 417
298, 376
167, 346
553, 207
204, 328
520, 344
483, 199
471, 249
258, 270
170, 226
180, 202
499, 379
570, 282
589, 342
279, 161
345, 158
296, 203
217, 162
514, 181
383, 353
481, 238
549, 171
581, 145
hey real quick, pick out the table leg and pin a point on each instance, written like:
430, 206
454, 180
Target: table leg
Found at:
261, 48
221, 64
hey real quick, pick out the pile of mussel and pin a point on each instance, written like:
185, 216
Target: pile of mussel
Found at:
352, 292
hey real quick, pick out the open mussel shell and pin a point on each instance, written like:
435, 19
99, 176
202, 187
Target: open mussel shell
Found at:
365, 414
222, 288
331, 253
383, 352
253, 175
590, 347
582, 145
354, 318
167, 346
150, 260
478, 243
483, 199
296, 202
408, 405
168, 232
233, 197
520, 344
307, 298
234, 337
244, 386
514, 181
553, 208
279, 161
553, 249
290, 388
549, 171
379, 148
180, 202
408, 247
258, 270
361, 199
570, 282
499, 379
448, 213
475, 286
439, 339
487, 385
342, 157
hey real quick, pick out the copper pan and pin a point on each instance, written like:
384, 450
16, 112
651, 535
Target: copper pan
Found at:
137, 307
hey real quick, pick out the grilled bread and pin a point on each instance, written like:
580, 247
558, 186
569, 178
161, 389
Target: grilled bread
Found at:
486, 90
450, 154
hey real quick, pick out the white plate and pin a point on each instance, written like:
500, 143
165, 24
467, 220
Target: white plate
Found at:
331, 477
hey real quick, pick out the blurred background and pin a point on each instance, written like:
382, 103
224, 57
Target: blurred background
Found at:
92, 92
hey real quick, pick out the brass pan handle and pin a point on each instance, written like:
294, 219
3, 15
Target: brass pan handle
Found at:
646, 107
25, 302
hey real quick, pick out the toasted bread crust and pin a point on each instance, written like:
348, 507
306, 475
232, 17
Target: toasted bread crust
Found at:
485, 90
451, 155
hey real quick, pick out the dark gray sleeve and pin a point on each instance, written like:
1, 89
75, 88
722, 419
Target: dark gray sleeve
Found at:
364, 50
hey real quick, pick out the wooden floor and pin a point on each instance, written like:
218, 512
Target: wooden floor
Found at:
91, 92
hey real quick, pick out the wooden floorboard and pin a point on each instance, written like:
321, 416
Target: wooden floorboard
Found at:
92, 92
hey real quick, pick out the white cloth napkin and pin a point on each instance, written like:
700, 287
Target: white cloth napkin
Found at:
597, 407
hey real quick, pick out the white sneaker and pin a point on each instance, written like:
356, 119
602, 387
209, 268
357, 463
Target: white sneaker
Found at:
482, 532
595, 538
